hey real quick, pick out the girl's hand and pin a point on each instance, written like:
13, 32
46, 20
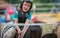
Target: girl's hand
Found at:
19, 33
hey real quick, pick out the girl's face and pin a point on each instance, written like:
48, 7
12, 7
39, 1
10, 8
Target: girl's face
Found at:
26, 6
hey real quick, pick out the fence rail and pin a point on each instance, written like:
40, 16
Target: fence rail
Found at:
32, 24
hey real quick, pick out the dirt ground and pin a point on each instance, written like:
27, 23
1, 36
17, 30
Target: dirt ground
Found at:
46, 17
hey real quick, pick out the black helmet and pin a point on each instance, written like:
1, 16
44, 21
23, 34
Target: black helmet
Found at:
29, 1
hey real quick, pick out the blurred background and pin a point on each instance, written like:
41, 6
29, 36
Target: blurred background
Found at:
46, 11
40, 6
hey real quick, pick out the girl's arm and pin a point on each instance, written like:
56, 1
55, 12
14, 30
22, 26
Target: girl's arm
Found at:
25, 26
17, 28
